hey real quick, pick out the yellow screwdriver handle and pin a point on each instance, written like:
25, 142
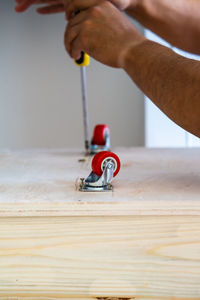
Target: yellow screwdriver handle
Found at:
84, 60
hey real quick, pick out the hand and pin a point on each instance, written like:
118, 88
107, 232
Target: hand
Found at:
101, 31
57, 6
82, 4
48, 6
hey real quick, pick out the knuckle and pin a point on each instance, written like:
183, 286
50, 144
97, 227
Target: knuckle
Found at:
105, 4
87, 24
95, 11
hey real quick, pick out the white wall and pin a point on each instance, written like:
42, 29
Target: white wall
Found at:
40, 94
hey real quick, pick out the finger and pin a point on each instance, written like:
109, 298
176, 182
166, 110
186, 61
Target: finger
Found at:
78, 19
42, 1
49, 2
25, 4
51, 9
79, 5
36, 1
22, 6
76, 48
71, 34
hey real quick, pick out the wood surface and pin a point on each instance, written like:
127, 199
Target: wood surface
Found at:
146, 257
142, 241
151, 182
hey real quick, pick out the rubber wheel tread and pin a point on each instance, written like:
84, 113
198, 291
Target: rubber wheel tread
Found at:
99, 158
99, 134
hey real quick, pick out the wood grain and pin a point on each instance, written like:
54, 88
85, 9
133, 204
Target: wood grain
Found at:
151, 182
97, 257
140, 242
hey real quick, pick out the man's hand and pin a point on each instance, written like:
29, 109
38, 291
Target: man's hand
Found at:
84, 4
101, 31
56, 6
47, 6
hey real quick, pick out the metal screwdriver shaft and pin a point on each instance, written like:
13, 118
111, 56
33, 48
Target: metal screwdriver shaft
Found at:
82, 62
85, 107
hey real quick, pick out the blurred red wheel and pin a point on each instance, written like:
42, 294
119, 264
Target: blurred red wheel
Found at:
100, 159
99, 134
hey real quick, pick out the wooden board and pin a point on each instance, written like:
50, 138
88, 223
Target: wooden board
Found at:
151, 182
142, 241
142, 257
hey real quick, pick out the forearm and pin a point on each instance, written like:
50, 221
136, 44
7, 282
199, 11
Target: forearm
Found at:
176, 21
169, 80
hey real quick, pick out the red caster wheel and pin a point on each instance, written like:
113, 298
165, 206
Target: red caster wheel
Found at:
99, 135
105, 166
100, 159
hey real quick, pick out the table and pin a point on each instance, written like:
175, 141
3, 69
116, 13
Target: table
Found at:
141, 241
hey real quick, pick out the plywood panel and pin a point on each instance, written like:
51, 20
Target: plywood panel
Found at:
97, 257
151, 182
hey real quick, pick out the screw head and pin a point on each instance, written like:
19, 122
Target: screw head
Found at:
82, 182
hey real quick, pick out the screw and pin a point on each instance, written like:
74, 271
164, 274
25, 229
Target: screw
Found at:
109, 186
82, 182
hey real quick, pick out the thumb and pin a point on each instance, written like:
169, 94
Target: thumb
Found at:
76, 49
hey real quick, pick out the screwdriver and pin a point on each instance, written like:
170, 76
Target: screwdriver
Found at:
82, 62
